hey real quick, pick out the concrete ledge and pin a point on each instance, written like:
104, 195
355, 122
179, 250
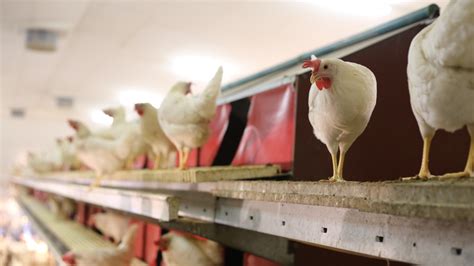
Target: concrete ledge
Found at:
191, 175
448, 200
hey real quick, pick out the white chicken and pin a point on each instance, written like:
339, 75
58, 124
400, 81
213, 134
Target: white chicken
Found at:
441, 79
110, 224
163, 149
341, 100
116, 256
62, 207
118, 114
182, 250
185, 118
69, 156
120, 127
104, 156
47, 161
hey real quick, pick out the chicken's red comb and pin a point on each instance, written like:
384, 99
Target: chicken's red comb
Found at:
308, 63
69, 258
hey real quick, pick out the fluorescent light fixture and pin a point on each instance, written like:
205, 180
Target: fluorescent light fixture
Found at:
198, 68
98, 117
364, 8
129, 96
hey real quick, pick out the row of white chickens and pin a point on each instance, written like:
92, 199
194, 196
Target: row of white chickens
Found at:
341, 101
178, 126
177, 249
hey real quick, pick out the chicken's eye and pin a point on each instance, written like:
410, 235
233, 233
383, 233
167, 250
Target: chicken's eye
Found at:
325, 66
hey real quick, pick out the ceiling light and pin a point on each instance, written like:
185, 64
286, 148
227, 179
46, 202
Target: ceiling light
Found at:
365, 8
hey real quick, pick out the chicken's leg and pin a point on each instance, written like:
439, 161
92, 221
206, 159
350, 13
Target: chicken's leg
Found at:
156, 162
182, 163
425, 169
340, 166
185, 157
334, 167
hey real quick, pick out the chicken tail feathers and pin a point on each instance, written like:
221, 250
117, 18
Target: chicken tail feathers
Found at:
213, 87
206, 101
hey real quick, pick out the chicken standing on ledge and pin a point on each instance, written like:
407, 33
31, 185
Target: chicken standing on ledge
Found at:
117, 256
441, 79
185, 118
120, 127
341, 100
118, 114
63, 208
163, 149
104, 156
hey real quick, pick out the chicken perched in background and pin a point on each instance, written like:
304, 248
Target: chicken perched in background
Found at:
117, 256
44, 162
82, 131
118, 114
185, 118
39, 163
182, 250
104, 156
341, 100
163, 149
69, 156
119, 127
62, 207
441, 78
110, 224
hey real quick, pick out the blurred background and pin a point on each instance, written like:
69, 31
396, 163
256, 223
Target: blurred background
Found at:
69, 59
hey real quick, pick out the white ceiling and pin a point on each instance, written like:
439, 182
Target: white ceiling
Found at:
107, 47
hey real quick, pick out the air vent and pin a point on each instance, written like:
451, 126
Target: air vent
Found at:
41, 39
64, 102
17, 112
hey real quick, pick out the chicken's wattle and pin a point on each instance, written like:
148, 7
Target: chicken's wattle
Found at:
323, 83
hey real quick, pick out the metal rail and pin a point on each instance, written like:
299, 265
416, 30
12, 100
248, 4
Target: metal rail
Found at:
413, 239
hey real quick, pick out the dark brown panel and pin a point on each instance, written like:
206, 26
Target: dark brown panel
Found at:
311, 256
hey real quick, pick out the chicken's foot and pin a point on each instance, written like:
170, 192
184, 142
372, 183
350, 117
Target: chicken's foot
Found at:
96, 182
